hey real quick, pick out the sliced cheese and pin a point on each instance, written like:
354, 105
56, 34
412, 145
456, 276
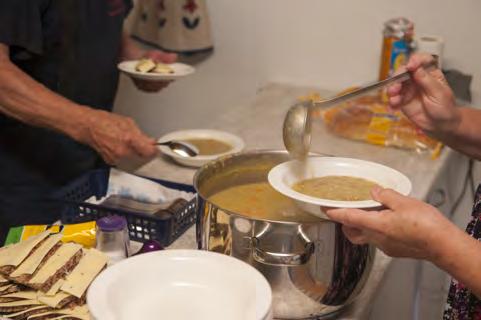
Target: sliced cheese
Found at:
19, 303
33, 261
163, 69
145, 65
29, 295
15, 254
3, 280
5, 287
56, 261
84, 273
55, 288
12, 315
83, 309
52, 301
79, 310
3, 249
76, 316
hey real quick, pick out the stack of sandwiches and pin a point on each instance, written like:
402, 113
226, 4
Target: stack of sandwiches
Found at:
44, 278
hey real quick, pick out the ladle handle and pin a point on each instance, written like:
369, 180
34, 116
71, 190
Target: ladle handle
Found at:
401, 77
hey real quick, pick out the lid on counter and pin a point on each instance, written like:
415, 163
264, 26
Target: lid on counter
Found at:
112, 223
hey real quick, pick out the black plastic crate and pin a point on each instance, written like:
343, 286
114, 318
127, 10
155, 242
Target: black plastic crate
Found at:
142, 227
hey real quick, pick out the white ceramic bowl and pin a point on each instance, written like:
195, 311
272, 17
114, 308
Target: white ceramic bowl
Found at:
198, 161
181, 285
180, 70
285, 175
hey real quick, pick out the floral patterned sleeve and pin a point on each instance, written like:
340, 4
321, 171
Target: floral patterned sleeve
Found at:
462, 304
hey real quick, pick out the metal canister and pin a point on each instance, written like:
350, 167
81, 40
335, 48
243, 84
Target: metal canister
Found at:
313, 269
397, 45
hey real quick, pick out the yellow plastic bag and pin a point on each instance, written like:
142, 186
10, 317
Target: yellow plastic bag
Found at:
81, 233
368, 119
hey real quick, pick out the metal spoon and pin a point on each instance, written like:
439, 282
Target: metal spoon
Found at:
181, 148
297, 123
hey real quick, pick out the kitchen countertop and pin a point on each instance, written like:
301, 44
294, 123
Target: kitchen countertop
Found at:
260, 125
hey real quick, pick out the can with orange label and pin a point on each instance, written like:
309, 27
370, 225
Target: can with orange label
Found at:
397, 44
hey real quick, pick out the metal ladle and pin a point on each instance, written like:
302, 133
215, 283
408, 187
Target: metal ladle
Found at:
297, 123
183, 149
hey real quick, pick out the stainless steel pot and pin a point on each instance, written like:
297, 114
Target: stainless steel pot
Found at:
313, 269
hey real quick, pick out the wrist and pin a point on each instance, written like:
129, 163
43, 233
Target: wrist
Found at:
445, 246
437, 244
455, 124
80, 130
130, 50
450, 129
132, 53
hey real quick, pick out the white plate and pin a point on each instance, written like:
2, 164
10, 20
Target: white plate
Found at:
198, 161
285, 175
180, 284
180, 70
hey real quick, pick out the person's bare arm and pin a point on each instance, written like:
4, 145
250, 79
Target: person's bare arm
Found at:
467, 136
459, 255
129, 49
26, 100
412, 228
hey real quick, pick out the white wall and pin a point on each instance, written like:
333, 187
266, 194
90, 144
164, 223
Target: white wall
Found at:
331, 44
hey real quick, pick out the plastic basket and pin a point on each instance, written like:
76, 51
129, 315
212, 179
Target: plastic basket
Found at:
142, 227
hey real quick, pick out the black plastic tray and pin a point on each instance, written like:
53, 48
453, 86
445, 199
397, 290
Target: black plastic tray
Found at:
142, 227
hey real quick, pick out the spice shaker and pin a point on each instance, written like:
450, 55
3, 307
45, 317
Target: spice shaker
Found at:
112, 238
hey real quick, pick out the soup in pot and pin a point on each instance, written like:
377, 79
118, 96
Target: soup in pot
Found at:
260, 201
339, 188
208, 147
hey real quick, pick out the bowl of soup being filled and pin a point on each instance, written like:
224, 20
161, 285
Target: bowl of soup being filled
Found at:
335, 182
210, 145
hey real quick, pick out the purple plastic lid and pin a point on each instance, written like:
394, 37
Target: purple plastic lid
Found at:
112, 223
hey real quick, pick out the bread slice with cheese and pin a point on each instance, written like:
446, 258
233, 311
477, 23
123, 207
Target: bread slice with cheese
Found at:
20, 295
72, 317
47, 248
24, 314
55, 288
9, 288
163, 69
145, 65
84, 273
17, 306
63, 260
59, 274
60, 300
3, 280
79, 312
13, 255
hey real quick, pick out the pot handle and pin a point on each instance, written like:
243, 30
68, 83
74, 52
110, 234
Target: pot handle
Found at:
281, 259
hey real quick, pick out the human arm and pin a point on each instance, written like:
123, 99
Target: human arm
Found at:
114, 137
131, 51
411, 228
429, 102
467, 136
